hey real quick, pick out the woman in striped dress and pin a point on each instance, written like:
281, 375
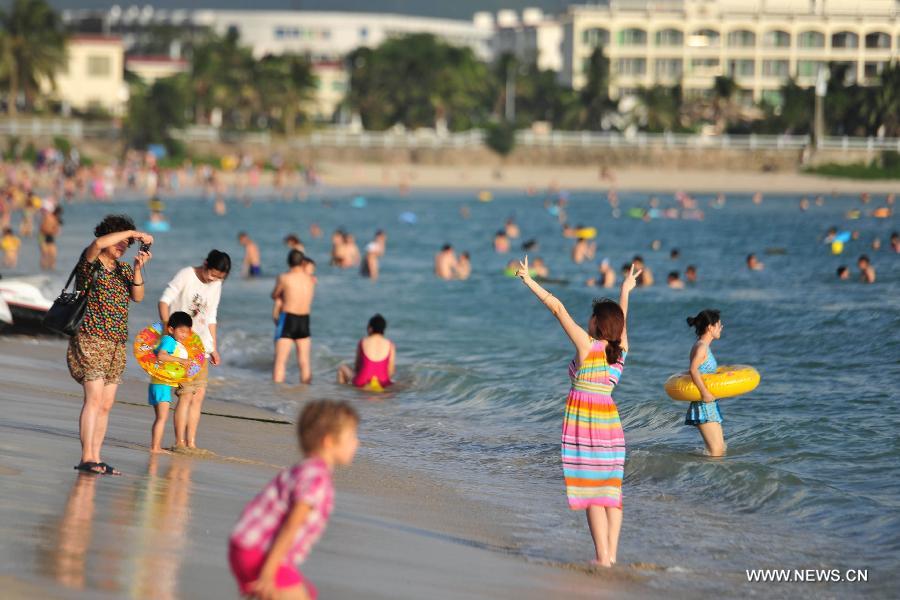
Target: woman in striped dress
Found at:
593, 445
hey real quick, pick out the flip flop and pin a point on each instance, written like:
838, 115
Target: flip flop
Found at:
90, 467
108, 469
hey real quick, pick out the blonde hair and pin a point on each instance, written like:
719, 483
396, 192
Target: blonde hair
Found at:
321, 418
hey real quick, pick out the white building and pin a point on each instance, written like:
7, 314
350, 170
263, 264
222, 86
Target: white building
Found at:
151, 68
532, 38
760, 43
93, 76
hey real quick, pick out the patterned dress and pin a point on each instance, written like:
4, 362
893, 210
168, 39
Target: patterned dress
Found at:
593, 444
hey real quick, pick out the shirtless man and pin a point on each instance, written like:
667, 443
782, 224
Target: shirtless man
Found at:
501, 242
583, 250
607, 278
293, 296
646, 276
294, 243
754, 264
512, 230
251, 266
374, 251
351, 252
49, 231
337, 248
866, 270
463, 266
445, 263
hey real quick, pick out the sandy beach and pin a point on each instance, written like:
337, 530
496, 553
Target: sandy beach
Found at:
160, 530
539, 177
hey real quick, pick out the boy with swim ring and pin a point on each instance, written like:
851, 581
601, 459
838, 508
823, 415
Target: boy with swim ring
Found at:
706, 414
280, 525
593, 444
159, 394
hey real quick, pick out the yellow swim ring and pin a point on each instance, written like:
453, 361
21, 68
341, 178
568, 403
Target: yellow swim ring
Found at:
485, 196
726, 382
373, 386
587, 233
145, 344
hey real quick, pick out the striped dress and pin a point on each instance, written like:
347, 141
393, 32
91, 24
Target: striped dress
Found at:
593, 444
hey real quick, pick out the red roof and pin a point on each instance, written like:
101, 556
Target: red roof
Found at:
156, 59
108, 39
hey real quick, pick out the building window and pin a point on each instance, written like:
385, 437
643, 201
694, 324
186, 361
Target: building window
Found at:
634, 67
811, 39
705, 66
845, 39
809, 69
775, 68
739, 69
363, 33
669, 68
704, 38
873, 69
777, 39
669, 38
772, 97
878, 40
741, 39
595, 37
99, 66
632, 37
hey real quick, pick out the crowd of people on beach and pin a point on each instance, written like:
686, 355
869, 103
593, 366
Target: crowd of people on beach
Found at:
277, 529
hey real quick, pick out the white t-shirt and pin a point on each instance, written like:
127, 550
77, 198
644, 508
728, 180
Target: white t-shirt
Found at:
200, 300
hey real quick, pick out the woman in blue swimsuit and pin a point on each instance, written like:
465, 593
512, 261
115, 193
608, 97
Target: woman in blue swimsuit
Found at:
705, 414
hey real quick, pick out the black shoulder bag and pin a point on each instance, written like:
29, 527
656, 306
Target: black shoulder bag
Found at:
65, 315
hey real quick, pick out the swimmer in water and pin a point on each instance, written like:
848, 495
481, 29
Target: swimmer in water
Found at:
445, 263
674, 281
351, 255
690, 274
754, 264
375, 356
645, 279
706, 414
315, 231
539, 267
294, 243
251, 265
337, 248
583, 250
512, 230
292, 304
843, 273
501, 242
866, 270
374, 251
895, 242
674, 254
463, 266
607, 278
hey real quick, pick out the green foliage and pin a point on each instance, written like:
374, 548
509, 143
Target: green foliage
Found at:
154, 111
62, 144
660, 108
32, 48
501, 137
594, 96
416, 81
871, 171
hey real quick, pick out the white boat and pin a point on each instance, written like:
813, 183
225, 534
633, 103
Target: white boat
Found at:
25, 304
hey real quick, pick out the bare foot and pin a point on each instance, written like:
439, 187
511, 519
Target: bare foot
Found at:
597, 563
159, 451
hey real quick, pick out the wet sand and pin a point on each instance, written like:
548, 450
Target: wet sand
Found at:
160, 530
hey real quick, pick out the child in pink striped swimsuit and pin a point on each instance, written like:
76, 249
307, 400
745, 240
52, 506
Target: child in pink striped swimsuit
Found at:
280, 525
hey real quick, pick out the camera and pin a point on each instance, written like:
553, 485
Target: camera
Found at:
145, 247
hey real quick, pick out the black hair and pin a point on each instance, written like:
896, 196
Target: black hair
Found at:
864, 257
180, 319
217, 260
377, 324
637, 258
704, 319
308, 261
841, 270
291, 239
465, 254
379, 232
674, 274
690, 268
242, 234
446, 247
499, 232
749, 256
114, 224
674, 253
295, 258
7, 230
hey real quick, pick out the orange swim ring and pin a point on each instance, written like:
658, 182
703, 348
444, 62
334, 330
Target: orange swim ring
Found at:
145, 344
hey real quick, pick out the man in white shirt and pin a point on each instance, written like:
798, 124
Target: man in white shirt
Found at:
196, 291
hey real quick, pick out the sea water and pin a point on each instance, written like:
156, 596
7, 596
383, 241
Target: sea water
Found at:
812, 475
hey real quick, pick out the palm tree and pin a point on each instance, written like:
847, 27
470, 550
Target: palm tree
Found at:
724, 90
660, 107
284, 84
32, 48
595, 93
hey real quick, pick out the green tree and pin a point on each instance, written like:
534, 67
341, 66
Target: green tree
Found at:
501, 137
724, 91
882, 107
539, 95
284, 84
418, 81
660, 107
155, 110
32, 49
595, 101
